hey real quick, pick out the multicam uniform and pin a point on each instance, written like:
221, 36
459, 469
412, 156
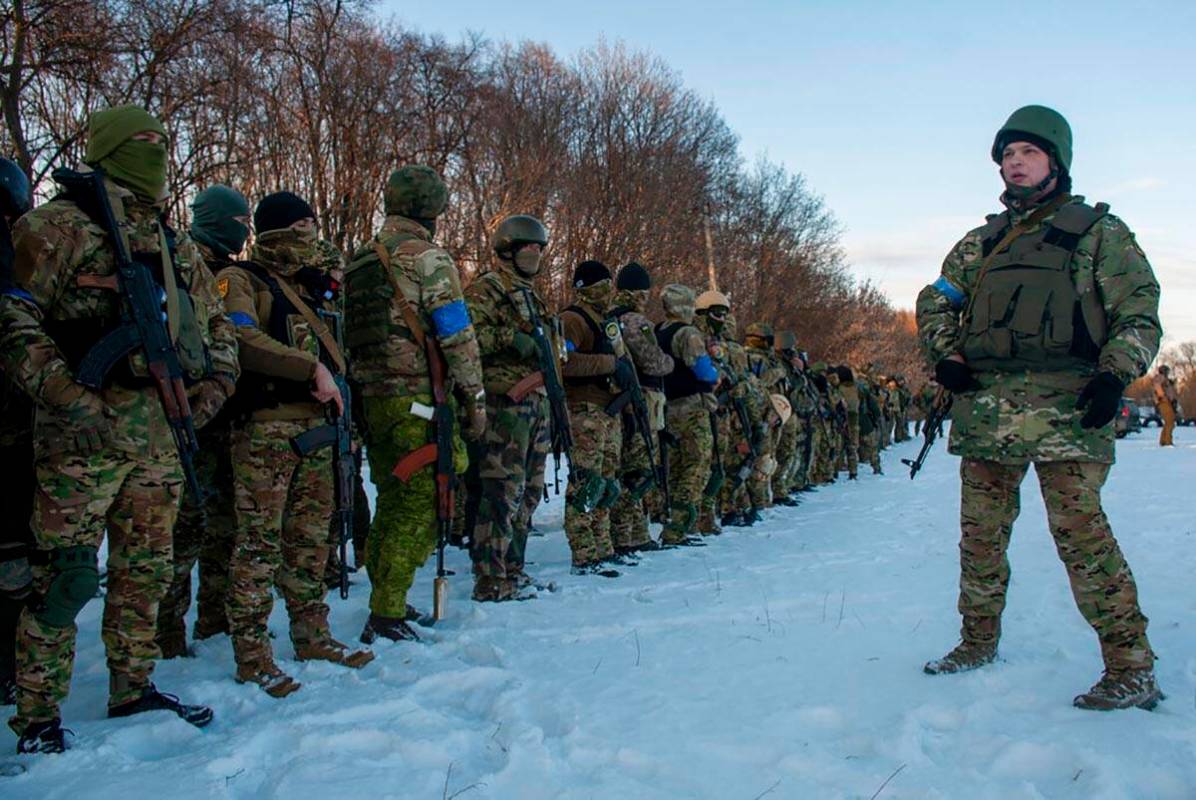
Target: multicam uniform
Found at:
63, 300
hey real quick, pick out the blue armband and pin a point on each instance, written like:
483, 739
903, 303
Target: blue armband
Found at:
451, 318
242, 320
569, 346
20, 294
704, 369
948, 290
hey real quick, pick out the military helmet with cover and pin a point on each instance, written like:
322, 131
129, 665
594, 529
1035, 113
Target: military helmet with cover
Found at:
516, 230
1041, 126
787, 341
415, 191
710, 299
760, 330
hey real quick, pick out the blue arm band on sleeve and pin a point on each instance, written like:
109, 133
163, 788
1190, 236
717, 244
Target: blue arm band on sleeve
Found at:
704, 369
569, 346
20, 294
451, 318
242, 320
947, 289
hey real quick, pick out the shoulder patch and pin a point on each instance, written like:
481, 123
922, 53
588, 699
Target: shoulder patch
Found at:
222, 287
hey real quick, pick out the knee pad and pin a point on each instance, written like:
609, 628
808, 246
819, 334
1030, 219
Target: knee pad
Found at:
610, 493
638, 483
76, 579
590, 489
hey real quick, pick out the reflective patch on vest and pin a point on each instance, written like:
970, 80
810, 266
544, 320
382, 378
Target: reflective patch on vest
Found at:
948, 290
704, 369
451, 318
242, 320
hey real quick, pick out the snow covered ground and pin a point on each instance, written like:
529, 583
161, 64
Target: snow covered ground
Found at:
780, 662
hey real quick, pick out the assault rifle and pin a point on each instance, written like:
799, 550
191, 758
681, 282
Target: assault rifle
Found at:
143, 324
562, 435
749, 458
337, 434
639, 416
935, 417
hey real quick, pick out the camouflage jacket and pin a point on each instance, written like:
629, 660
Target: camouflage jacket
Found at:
269, 363
689, 344
590, 358
1026, 415
498, 304
768, 369
429, 284
639, 335
63, 275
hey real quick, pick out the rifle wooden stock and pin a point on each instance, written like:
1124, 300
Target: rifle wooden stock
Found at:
414, 461
526, 386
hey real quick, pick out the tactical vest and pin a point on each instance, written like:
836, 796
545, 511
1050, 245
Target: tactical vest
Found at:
255, 391
76, 337
602, 346
654, 382
681, 382
380, 342
1027, 312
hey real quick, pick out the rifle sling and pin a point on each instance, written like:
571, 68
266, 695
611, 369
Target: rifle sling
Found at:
317, 325
409, 317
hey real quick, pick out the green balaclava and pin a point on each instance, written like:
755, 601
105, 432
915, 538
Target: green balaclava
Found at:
286, 251
213, 220
136, 165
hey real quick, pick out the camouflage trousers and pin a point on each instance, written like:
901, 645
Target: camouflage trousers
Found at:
787, 456
724, 500
597, 442
869, 449
901, 428
628, 519
1101, 581
403, 532
511, 463
689, 468
283, 502
849, 455
136, 498
759, 484
16, 542
204, 532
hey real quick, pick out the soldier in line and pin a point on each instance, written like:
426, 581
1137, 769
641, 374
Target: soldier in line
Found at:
689, 394
505, 307
637, 470
869, 421
593, 376
1166, 399
1049, 256
402, 289
206, 526
105, 459
283, 500
851, 431
16, 452
766, 368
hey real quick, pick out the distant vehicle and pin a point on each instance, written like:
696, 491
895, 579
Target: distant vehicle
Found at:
1128, 419
1150, 416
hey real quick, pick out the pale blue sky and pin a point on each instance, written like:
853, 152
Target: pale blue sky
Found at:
889, 108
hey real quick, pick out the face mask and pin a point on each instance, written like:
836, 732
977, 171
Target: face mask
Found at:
599, 295
138, 166
286, 251
527, 261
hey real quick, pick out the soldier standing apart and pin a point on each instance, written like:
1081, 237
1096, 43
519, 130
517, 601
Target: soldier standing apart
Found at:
283, 500
506, 309
637, 471
105, 459
688, 390
1048, 257
401, 289
851, 401
206, 525
593, 376
1166, 399
16, 451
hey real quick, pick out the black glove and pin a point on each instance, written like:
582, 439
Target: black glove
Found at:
1102, 398
954, 376
624, 374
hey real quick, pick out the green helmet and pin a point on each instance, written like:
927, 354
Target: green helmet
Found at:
415, 191
1040, 125
761, 330
786, 340
519, 229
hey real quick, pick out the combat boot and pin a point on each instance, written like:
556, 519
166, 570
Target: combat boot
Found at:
752, 517
267, 675
1126, 688
334, 651
708, 525
492, 589
153, 700
966, 656
593, 568
732, 519
43, 737
787, 500
394, 628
